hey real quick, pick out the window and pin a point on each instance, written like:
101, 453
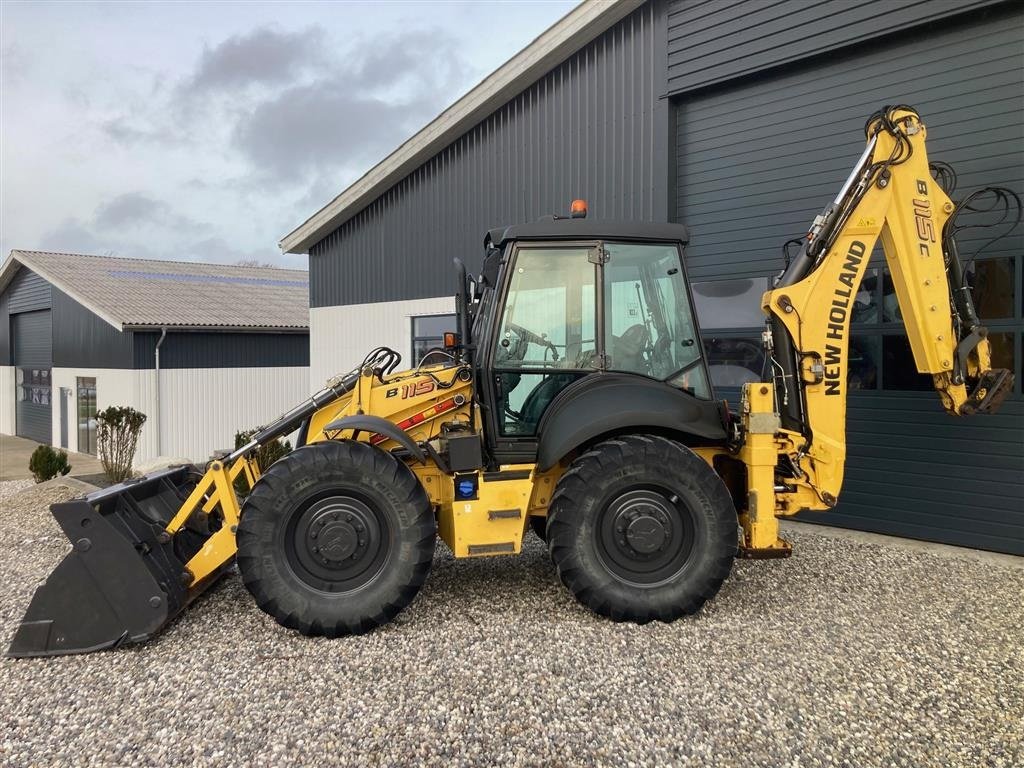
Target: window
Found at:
730, 303
546, 339
731, 320
86, 411
34, 385
649, 327
428, 332
993, 283
864, 357
733, 362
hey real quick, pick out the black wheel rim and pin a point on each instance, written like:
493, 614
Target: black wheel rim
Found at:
337, 542
645, 535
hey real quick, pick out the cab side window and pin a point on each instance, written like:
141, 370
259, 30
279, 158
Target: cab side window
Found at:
649, 327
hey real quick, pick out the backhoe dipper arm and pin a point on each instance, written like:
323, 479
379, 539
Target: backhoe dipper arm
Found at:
890, 195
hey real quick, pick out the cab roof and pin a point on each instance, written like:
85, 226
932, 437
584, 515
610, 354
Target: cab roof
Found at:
562, 228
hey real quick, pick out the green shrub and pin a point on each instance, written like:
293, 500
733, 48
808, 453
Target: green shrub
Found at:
265, 455
46, 463
117, 438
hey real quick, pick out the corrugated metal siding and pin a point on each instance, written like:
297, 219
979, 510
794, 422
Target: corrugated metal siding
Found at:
915, 471
757, 161
222, 350
340, 337
83, 339
5, 330
27, 292
711, 41
31, 333
591, 128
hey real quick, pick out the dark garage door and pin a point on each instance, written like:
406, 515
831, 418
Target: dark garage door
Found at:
757, 161
31, 335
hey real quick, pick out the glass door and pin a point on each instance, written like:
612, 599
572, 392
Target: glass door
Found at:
86, 409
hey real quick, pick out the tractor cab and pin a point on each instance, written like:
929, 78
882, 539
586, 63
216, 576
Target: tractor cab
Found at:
564, 299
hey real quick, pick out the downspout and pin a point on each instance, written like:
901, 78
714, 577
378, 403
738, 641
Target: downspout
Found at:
156, 366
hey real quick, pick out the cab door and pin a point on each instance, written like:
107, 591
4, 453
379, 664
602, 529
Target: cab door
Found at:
545, 337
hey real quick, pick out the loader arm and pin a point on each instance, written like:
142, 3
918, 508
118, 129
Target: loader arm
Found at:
142, 550
795, 423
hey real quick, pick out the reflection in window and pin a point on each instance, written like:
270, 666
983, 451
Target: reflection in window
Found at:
898, 368
1002, 350
734, 362
549, 324
890, 303
865, 302
992, 284
730, 303
864, 357
33, 385
649, 328
549, 312
86, 392
428, 332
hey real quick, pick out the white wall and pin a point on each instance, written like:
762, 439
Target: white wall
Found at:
340, 337
7, 401
114, 386
200, 409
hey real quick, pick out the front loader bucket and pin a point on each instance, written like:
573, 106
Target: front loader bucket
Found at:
125, 576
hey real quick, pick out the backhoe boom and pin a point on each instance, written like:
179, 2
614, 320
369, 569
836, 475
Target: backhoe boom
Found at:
891, 196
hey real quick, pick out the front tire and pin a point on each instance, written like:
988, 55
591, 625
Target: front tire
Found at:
641, 528
335, 539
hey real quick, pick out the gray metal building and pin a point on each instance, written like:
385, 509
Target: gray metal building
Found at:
740, 119
203, 350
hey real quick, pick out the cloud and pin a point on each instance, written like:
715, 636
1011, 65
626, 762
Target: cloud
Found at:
15, 64
128, 225
352, 117
323, 124
263, 55
74, 236
129, 208
136, 209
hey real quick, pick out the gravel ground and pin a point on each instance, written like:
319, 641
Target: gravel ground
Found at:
846, 654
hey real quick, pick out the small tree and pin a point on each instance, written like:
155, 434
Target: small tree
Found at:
45, 463
118, 437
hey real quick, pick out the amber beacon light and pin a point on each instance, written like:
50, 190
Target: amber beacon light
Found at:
578, 209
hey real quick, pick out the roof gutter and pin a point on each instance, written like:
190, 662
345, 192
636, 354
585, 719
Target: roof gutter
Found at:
580, 26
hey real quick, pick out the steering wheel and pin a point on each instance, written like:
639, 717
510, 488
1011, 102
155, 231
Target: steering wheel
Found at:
517, 351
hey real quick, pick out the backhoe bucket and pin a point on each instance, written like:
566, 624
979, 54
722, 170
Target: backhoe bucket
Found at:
125, 576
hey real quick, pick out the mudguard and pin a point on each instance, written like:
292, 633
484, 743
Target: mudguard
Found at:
606, 403
377, 425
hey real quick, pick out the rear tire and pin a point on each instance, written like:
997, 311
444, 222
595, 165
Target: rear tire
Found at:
641, 528
336, 539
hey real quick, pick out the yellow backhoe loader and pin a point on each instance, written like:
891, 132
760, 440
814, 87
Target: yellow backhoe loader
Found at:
574, 399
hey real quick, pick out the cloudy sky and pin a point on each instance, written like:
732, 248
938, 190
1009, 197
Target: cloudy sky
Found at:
206, 131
